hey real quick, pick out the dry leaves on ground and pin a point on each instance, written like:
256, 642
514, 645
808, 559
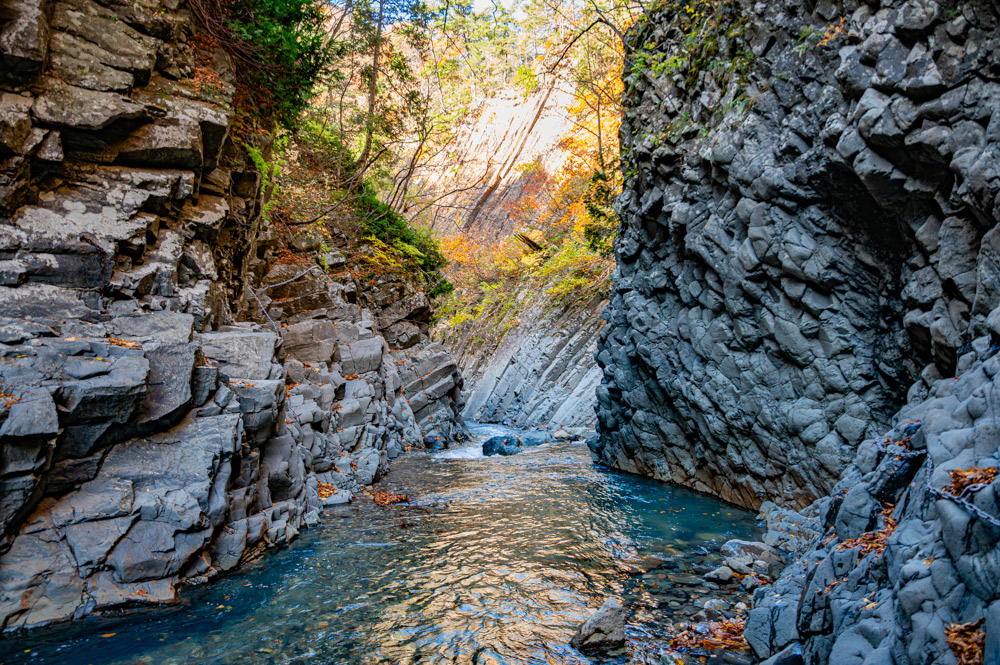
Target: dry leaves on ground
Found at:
966, 641
726, 634
873, 541
326, 490
127, 343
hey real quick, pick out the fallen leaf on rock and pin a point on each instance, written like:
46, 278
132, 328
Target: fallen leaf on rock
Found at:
964, 479
873, 541
726, 634
384, 498
967, 641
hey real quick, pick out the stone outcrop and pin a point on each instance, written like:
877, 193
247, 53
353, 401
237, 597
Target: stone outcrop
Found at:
807, 312
604, 630
542, 372
174, 399
808, 239
935, 568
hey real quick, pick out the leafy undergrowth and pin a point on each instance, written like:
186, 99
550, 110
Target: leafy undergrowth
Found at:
497, 282
559, 257
967, 642
310, 208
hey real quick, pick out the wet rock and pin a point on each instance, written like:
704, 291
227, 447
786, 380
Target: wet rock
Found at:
603, 631
502, 445
720, 574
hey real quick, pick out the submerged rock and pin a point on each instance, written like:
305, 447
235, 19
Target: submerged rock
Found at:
604, 630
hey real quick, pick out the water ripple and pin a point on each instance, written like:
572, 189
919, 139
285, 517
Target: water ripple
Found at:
497, 562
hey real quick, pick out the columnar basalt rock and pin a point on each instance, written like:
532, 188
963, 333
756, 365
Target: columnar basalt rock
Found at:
807, 308
935, 559
801, 241
542, 373
173, 399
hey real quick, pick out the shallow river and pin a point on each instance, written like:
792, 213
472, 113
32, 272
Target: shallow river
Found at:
497, 560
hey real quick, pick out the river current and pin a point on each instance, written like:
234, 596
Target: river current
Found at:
496, 560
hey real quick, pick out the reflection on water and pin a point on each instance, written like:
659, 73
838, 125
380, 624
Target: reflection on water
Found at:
498, 560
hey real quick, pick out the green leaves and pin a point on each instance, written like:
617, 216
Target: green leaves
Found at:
289, 45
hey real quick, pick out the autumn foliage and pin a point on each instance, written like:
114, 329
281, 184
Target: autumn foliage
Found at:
873, 541
967, 642
963, 479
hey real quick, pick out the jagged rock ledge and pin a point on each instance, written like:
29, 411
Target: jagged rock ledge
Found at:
802, 239
156, 427
937, 560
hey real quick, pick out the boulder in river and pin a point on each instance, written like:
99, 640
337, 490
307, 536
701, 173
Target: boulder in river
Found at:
604, 630
502, 445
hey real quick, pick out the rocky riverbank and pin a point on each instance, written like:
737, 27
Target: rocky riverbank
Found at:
179, 391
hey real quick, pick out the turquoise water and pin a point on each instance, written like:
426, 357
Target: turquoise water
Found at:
497, 560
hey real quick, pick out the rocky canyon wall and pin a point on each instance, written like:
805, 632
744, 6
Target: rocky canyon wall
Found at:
808, 239
534, 367
542, 373
157, 427
807, 312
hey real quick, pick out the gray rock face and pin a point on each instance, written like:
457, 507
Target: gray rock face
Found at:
542, 373
172, 401
799, 244
604, 630
839, 602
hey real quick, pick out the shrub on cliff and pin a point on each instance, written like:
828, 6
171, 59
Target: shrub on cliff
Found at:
390, 227
280, 48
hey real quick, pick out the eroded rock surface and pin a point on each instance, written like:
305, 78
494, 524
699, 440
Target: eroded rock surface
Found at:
542, 373
800, 243
934, 567
173, 399
807, 312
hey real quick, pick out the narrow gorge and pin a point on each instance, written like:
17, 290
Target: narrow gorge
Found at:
512, 332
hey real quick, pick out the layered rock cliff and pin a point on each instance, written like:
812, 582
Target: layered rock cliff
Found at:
177, 394
808, 238
533, 363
